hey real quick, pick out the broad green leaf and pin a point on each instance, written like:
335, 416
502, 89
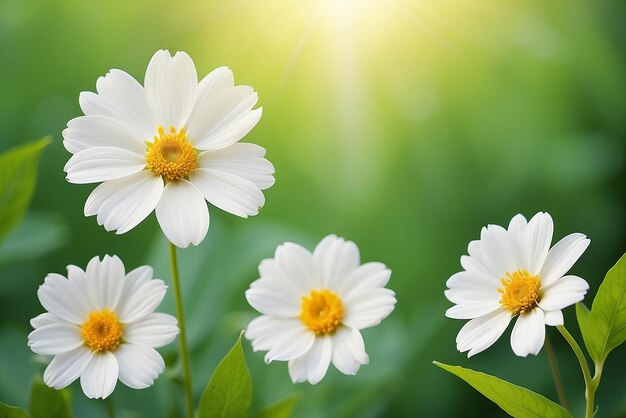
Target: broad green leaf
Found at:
582, 315
7, 411
18, 175
517, 401
46, 402
607, 321
281, 409
229, 392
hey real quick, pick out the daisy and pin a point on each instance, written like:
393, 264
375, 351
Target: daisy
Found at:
101, 326
313, 307
511, 273
168, 146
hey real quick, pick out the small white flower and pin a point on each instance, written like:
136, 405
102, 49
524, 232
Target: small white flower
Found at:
168, 146
314, 306
515, 272
101, 326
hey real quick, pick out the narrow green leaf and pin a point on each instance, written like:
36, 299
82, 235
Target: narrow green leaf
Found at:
7, 411
46, 402
281, 409
517, 401
607, 321
18, 175
229, 392
582, 315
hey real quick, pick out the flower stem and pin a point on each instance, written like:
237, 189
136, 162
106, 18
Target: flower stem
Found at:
110, 410
556, 375
182, 337
590, 384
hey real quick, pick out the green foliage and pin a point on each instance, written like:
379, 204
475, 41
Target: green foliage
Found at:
519, 402
46, 402
605, 327
281, 409
229, 392
582, 315
18, 175
7, 411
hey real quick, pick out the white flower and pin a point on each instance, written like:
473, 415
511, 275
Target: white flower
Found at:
515, 272
168, 145
314, 305
100, 326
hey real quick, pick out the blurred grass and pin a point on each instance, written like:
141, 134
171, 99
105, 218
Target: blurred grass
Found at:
403, 125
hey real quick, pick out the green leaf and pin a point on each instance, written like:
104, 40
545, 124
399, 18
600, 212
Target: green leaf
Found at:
18, 175
606, 325
229, 392
281, 409
519, 402
582, 315
7, 411
46, 402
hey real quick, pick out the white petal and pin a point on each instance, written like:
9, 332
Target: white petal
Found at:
183, 214
140, 365
528, 333
562, 293
64, 299
97, 164
499, 250
223, 118
264, 331
140, 297
275, 297
553, 318
228, 191
295, 263
366, 276
105, 281
334, 259
517, 231
563, 256
291, 345
348, 350
243, 160
480, 333
55, 339
539, 236
87, 132
156, 330
171, 84
268, 268
367, 308
45, 319
122, 97
124, 203
100, 376
470, 286
313, 365
67, 367
470, 309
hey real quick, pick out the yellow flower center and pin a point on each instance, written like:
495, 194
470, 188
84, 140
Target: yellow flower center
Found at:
322, 311
171, 155
102, 331
521, 291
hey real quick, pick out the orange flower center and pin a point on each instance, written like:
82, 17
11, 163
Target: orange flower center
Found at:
322, 311
171, 155
521, 291
102, 331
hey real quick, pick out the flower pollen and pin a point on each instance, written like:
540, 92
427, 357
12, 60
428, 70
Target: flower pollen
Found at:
102, 331
521, 291
322, 311
171, 155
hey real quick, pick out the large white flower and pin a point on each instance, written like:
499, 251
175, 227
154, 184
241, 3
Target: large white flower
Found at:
512, 273
168, 145
314, 305
101, 326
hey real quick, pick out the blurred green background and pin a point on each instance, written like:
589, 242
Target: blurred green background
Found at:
403, 125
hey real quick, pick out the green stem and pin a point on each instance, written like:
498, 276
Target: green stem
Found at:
556, 375
182, 337
590, 384
110, 410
